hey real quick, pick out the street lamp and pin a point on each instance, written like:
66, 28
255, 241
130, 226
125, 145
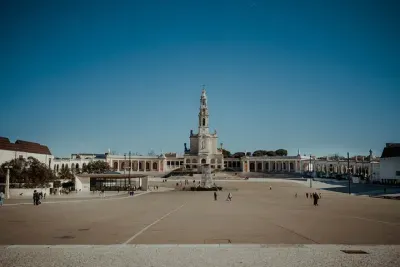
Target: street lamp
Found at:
124, 162
348, 170
130, 167
8, 181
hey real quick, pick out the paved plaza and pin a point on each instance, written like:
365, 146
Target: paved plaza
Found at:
257, 215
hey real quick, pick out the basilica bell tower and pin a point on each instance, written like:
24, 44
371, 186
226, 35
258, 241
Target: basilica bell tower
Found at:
203, 114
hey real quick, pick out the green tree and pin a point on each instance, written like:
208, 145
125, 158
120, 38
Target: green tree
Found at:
281, 152
65, 174
238, 155
226, 153
97, 167
248, 154
17, 173
271, 153
259, 153
30, 172
38, 173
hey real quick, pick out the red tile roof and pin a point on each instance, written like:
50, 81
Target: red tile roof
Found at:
23, 146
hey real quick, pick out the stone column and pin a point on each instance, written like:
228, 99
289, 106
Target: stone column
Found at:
255, 166
7, 195
288, 167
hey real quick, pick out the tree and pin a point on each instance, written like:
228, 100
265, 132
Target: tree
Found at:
281, 152
97, 167
17, 174
226, 153
65, 174
38, 173
248, 154
271, 153
259, 153
238, 155
30, 172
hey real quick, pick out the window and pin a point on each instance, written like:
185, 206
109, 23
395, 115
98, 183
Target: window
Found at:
204, 122
397, 173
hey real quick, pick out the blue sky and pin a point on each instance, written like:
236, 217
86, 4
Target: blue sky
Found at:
85, 76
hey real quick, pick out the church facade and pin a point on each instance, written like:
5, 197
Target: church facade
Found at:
204, 149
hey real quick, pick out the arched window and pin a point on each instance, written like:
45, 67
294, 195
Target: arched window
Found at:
122, 165
115, 165
203, 161
187, 160
72, 166
77, 166
204, 122
155, 166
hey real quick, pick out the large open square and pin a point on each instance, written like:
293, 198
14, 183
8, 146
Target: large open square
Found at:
256, 215
259, 227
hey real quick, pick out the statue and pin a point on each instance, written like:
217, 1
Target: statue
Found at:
186, 149
215, 131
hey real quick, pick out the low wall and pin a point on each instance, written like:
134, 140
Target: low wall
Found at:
14, 192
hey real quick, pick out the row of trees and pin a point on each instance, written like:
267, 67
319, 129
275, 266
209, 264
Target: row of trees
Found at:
32, 173
257, 153
29, 172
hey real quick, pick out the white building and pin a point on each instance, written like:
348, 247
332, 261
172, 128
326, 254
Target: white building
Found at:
76, 162
24, 149
390, 164
204, 150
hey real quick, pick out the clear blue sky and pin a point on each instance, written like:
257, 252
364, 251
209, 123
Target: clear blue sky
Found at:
85, 76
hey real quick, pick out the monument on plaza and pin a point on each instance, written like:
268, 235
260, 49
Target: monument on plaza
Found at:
206, 178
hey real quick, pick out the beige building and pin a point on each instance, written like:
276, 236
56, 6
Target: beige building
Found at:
204, 149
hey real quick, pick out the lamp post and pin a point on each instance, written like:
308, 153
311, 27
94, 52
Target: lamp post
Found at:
130, 167
348, 170
124, 162
8, 181
309, 168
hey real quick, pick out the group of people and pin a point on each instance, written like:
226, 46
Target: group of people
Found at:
229, 198
314, 196
36, 197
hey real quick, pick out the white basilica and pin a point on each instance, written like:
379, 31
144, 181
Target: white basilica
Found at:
204, 150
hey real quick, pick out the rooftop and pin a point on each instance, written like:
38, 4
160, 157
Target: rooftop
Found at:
391, 150
23, 146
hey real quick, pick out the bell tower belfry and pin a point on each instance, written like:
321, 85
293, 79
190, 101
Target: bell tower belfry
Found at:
203, 114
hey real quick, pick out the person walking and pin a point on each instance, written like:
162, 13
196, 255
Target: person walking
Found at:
1, 198
36, 198
315, 197
215, 196
229, 198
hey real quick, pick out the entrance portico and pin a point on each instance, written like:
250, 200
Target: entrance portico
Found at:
110, 182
